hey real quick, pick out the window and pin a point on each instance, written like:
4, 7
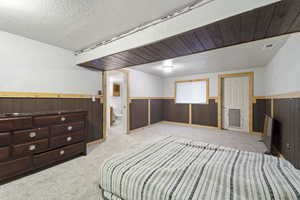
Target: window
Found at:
192, 91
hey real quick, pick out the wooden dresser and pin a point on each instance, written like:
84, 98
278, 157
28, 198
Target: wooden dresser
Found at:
32, 141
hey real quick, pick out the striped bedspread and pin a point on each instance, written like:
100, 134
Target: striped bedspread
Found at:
177, 169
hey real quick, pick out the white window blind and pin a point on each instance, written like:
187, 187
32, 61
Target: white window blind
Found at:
192, 92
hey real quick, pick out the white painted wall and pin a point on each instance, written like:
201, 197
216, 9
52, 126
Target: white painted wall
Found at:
32, 66
283, 72
144, 85
259, 90
211, 12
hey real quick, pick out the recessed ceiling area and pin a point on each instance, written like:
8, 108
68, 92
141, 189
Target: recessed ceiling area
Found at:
243, 56
75, 24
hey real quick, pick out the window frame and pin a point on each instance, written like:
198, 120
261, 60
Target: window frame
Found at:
195, 80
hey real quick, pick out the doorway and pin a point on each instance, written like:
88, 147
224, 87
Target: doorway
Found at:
235, 101
116, 104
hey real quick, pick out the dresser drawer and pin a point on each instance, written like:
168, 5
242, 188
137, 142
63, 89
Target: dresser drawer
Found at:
14, 167
4, 153
57, 130
67, 139
30, 148
46, 120
25, 136
56, 119
8, 124
60, 154
73, 117
4, 139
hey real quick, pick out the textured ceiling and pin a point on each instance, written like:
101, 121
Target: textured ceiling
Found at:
75, 24
244, 56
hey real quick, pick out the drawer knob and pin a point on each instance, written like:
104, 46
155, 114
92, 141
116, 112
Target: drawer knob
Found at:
70, 128
69, 138
32, 134
63, 119
32, 147
62, 152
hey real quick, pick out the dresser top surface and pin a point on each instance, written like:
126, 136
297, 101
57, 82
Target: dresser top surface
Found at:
29, 114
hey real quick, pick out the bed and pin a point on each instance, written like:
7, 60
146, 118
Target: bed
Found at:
179, 169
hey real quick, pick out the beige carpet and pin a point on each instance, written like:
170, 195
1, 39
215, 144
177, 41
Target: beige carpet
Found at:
78, 178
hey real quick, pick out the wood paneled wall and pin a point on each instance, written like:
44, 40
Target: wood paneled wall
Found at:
287, 129
138, 112
156, 110
168, 110
286, 113
175, 112
201, 114
259, 111
95, 121
205, 114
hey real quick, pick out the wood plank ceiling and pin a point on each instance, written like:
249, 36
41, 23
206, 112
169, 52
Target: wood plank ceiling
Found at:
273, 20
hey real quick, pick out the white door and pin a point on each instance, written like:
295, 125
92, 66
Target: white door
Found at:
235, 103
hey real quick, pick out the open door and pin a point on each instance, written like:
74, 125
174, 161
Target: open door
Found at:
116, 102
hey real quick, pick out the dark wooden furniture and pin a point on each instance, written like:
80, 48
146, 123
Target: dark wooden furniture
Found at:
31, 141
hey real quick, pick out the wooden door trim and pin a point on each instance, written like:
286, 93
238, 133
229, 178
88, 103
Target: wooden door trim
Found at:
250, 75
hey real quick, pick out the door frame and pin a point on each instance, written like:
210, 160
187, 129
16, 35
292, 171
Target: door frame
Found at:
106, 109
250, 76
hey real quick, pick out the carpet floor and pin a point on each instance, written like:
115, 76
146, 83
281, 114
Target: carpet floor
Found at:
78, 179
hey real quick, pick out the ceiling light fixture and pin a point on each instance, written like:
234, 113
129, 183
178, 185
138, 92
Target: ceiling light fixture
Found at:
168, 69
167, 66
168, 63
